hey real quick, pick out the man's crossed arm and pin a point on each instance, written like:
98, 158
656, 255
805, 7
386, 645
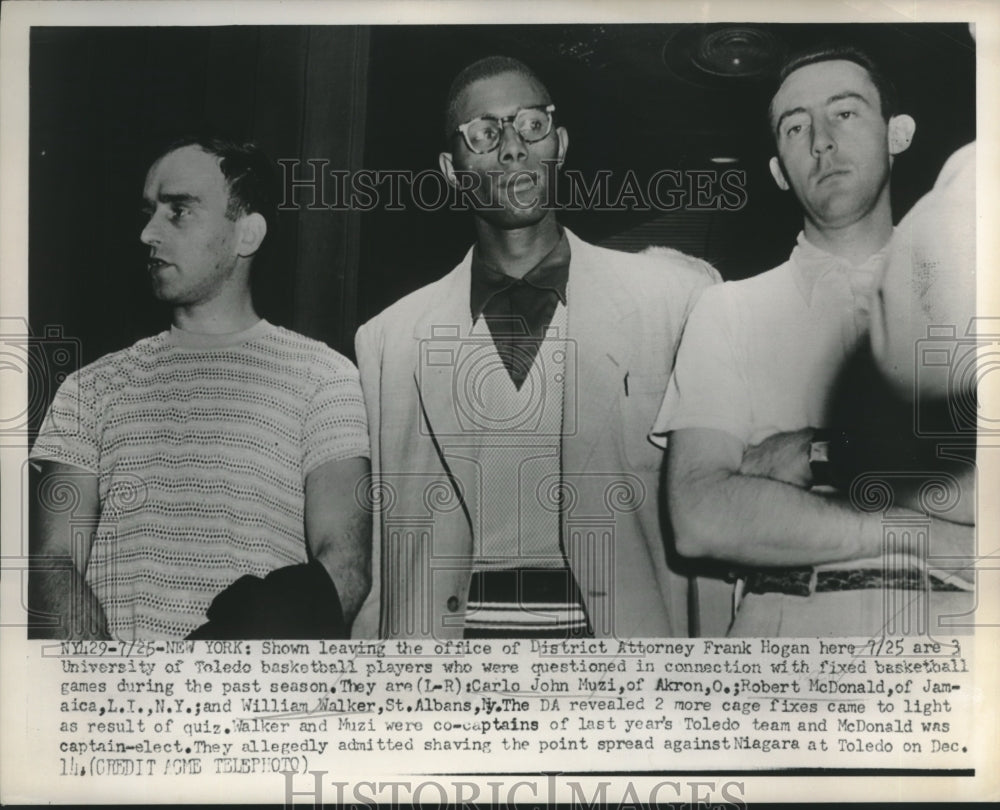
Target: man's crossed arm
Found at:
753, 509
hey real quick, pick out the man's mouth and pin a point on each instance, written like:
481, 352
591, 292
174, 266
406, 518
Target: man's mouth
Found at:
520, 181
153, 264
519, 189
830, 173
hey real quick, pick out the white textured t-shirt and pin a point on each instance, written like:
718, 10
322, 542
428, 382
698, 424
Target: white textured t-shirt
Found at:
201, 445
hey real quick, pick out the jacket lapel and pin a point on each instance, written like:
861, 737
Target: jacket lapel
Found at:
442, 338
598, 361
597, 308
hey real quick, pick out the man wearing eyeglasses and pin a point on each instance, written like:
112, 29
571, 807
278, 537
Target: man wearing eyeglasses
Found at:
509, 402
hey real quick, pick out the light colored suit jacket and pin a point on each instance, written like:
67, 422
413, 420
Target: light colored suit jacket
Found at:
625, 313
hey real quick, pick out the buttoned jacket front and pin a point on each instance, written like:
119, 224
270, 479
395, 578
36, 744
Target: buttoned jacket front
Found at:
625, 316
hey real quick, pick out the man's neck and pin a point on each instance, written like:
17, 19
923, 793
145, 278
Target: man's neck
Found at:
220, 316
856, 242
515, 252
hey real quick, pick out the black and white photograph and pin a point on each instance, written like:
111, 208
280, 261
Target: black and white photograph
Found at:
488, 405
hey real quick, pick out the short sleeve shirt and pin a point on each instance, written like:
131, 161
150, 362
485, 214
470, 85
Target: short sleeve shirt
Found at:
762, 355
201, 445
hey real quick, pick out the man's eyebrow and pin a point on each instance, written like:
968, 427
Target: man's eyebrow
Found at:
520, 107
179, 198
831, 100
848, 94
148, 203
787, 114
486, 114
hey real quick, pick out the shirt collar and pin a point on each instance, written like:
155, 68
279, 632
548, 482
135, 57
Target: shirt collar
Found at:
549, 275
204, 340
811, 262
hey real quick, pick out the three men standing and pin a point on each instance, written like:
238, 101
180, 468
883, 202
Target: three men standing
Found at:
514, 489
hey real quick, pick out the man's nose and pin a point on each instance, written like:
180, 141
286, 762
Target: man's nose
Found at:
512, 147
150, 234
822, 138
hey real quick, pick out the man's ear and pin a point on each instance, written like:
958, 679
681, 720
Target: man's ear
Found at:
563, 137
778, 174
250, 232
447, 165
901, 129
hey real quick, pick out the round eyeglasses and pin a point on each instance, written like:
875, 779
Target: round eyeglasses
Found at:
482, 135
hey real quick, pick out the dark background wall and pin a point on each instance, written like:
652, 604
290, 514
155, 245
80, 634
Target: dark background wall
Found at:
104, 101
633, 97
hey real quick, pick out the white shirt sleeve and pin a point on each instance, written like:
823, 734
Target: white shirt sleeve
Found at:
708, 387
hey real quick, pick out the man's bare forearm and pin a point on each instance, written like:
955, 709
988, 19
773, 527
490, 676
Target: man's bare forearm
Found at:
749, 520
63, 604
756, 521
347, 559
946, 489
64, 499
339, 529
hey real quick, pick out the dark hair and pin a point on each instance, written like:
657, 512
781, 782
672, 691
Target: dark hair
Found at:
888, 99
250, 176
485, 68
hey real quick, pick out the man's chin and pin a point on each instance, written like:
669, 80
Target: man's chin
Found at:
838, 211
511, 219
165, 295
